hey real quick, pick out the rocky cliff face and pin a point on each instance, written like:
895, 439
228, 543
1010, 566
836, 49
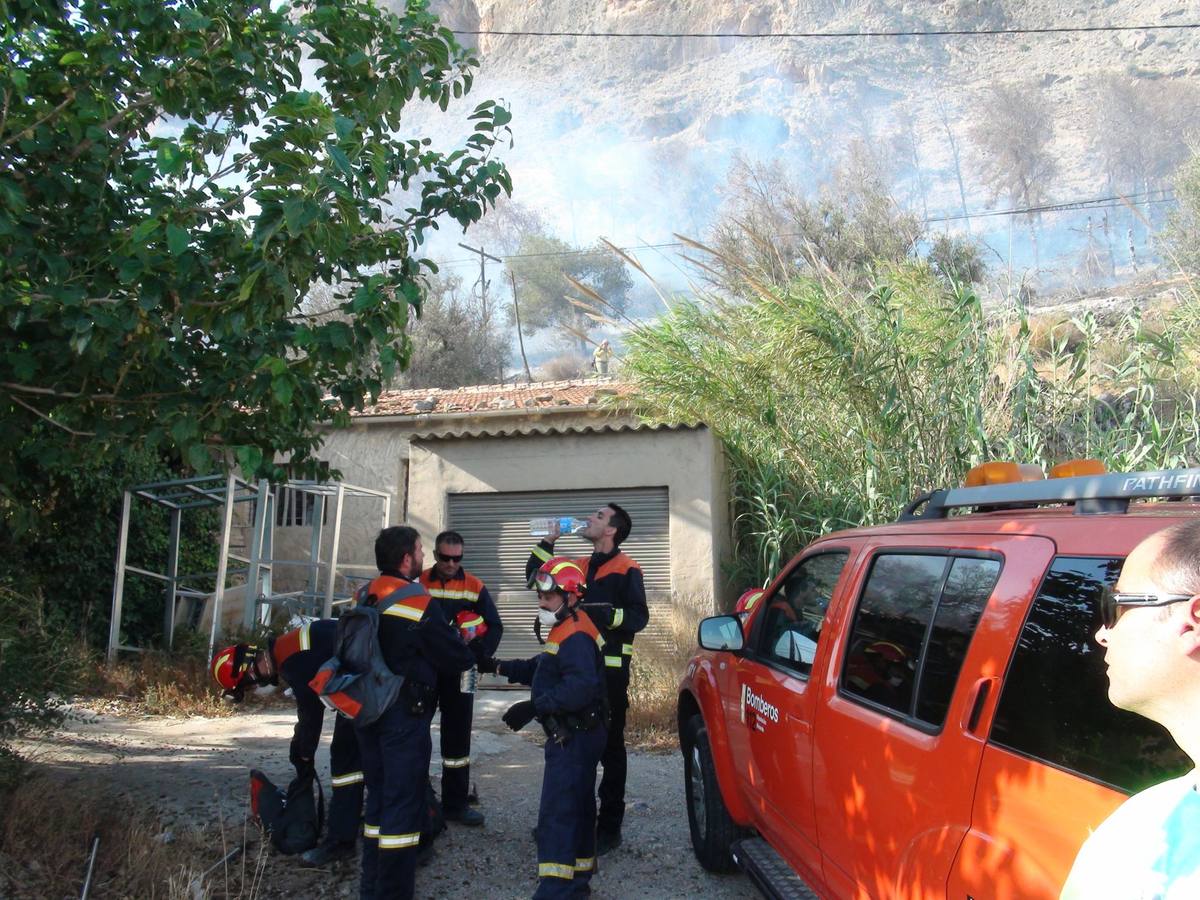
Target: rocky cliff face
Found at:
632, 138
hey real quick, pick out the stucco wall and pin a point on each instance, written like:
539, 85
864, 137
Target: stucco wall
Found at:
687, 461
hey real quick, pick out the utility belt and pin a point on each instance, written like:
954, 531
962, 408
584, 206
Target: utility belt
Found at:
561, 726
416, 698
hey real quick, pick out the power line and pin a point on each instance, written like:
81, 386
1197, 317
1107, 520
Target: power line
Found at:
1116, 201
936, 33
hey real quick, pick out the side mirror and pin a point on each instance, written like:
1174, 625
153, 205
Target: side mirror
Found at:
720, 633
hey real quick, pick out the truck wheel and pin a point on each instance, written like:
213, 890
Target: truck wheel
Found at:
713, 831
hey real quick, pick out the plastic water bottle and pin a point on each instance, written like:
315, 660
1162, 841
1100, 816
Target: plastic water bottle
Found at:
468, 681
566, 525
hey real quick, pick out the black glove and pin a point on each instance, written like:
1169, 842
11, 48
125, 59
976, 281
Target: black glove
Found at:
519, 715
486, 665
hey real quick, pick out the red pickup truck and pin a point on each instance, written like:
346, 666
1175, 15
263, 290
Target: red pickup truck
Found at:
919, 709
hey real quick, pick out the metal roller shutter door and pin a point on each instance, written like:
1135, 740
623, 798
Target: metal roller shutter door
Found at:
495, 527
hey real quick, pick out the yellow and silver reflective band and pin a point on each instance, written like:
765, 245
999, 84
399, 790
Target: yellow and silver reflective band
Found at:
446, 594
555, 870
551, 647
347, 779
613, 662
305, 638
618, 618
542, 554
585, 865
457, 762
404, 612
371, 831
399, 841
627, 649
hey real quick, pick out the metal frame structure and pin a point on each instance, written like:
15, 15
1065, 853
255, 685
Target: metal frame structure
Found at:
226, 491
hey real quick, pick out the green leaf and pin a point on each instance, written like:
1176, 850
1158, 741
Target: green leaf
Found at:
340, 160
169, 158
281, 387
249, 459
248, 285
177, 239
71, 58
199, 458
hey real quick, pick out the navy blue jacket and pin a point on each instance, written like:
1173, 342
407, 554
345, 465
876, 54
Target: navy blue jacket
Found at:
568, 675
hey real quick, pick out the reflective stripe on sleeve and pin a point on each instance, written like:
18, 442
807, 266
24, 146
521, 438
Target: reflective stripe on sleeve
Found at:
457, 762
404, 612
371, 831
618, 618
627, 649
613, 662
399, 841
555, 870
585, 865
551, 647
305, 638
347, 778
543, 555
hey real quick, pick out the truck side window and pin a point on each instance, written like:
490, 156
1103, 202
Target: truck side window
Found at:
1054, 706
912, 628
795, 613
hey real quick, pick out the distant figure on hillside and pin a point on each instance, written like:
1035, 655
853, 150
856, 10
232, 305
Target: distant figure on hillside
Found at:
600, 357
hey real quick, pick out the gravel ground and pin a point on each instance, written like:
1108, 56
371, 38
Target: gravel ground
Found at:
189, 770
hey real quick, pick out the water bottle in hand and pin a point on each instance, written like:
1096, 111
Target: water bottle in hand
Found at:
566, 525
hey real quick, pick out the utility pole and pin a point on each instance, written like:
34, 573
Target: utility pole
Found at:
483, 258
520, 338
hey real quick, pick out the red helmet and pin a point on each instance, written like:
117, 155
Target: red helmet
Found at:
560, 574
470, 624
231, 669
746, 602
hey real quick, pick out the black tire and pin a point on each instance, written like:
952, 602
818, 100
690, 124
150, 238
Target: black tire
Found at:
713, 831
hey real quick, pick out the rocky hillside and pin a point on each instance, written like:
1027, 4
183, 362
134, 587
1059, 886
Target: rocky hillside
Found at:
633, 138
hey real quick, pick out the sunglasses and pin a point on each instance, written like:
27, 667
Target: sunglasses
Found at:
1112, 603
446, 557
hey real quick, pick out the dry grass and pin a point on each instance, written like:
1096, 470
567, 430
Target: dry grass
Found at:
654, 683
48, 824
160, 684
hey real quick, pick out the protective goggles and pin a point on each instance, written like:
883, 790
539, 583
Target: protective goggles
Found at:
545, 582
1111, 603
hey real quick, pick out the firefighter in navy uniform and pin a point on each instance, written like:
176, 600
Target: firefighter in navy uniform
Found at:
469, 607
569, 698
295, 657
418, 644
616, 599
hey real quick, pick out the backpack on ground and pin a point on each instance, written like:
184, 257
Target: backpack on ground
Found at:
356, 681
292, 818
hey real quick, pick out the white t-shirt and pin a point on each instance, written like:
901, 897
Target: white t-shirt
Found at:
1148, 849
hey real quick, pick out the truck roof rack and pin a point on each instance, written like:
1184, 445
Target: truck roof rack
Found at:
1091, 494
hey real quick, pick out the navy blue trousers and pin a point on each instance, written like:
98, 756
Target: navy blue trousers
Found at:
395, 754
566, 829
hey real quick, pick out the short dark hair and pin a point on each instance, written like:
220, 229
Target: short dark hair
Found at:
392, 545
1177, 568
619, 520
448, 537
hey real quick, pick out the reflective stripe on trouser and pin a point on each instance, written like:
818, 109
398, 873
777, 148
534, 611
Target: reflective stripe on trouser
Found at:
345, 766
566, 830
395, 755
455, 722
612, 783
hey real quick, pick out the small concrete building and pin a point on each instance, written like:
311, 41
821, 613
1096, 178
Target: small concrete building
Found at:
485, 460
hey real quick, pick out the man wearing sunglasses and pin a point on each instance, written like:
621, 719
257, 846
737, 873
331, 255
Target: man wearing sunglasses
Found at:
1150, 632
469, 607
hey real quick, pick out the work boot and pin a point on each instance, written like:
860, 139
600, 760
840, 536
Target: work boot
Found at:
607, 841
465, 816
324, 854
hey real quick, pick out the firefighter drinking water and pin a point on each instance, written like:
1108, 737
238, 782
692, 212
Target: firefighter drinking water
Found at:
569, 699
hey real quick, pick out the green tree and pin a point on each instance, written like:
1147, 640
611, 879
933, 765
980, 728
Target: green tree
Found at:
174, 178
544, 267
456, 341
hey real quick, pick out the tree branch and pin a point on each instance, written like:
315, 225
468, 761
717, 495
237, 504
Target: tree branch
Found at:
42, 415
47, 117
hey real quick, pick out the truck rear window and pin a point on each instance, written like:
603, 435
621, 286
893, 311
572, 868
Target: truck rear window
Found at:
1054, 706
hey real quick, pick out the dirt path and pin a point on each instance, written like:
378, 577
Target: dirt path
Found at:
189, 770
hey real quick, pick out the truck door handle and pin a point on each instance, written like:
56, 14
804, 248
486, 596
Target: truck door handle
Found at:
979, 696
